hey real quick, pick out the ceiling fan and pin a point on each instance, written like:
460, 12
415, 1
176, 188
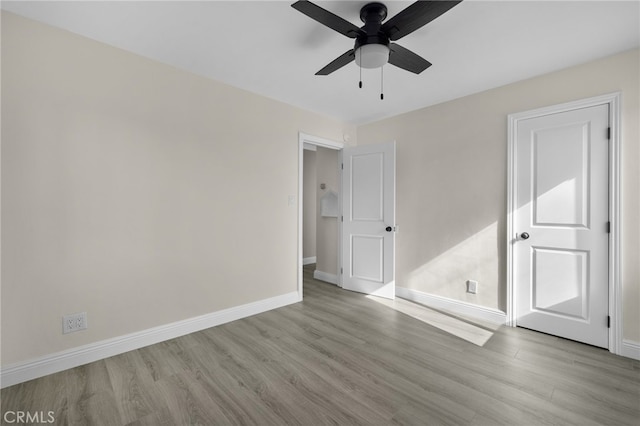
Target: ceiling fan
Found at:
374, 45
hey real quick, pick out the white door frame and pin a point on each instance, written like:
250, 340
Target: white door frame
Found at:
303, 139
615, 287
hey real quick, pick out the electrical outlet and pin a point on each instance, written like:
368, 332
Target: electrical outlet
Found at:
472, 286
74, 322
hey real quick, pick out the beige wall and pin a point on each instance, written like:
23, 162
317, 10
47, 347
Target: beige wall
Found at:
309, 204
135, 191
451, 182
327, 227
139, 193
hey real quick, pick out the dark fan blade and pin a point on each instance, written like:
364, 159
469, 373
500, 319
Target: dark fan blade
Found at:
327, 18
406, 59
338, 63
415, 16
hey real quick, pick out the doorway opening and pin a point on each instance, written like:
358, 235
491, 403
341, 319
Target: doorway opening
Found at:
319, 208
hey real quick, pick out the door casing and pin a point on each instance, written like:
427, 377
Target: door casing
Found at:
615, 288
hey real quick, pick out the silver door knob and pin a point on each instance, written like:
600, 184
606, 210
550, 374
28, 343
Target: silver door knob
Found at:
524, 236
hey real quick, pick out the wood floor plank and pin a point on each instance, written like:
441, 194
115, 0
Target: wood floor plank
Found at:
100, 408
132, 385
471, 391
87, 380
599, 410
343, 358
300, 380
161, 361
184, 401
240, 404
90, 395
38, 397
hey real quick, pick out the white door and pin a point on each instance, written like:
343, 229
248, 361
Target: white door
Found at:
561, 224
368, 229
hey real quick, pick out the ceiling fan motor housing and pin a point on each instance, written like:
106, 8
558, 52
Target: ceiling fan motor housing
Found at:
372, 45
373, 13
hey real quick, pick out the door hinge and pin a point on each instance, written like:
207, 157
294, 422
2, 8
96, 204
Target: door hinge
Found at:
608, 132
341, 218
609, 227
608, 321
341, 272
342, 166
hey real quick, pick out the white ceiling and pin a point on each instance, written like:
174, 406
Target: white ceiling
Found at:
269, 48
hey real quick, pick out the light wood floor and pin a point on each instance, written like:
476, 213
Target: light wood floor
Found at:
342, 358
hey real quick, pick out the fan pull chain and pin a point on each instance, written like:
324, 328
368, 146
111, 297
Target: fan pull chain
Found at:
360, 83
382, 83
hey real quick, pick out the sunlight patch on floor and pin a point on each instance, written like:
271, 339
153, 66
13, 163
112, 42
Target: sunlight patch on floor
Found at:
450, 324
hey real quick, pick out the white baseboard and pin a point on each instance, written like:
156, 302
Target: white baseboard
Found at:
53, 363
309, 260
453, 306
630, 349
325, 276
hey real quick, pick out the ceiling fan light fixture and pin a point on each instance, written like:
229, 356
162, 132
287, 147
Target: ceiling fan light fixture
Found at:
372, 55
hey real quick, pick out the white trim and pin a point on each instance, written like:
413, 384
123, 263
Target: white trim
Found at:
511, 208
325, 276
309, 260
318, 141
630, 349
53, 363
615, 216
455, 306
306, 140
615, 286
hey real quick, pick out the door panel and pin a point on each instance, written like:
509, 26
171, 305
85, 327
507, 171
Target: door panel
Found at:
367, 259
368, 210
560, 284
562, 197
367, 174
561, 176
